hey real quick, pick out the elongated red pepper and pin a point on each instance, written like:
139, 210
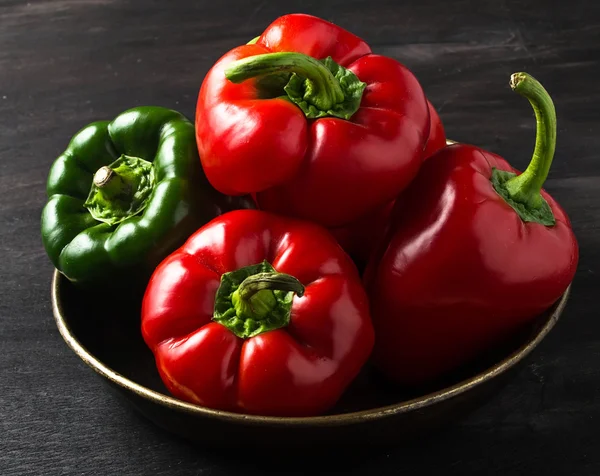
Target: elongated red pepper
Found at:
477, 250
312, 121
258, 313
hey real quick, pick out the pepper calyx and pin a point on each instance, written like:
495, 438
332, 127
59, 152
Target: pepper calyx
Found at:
541, 214
255, 299
120, 190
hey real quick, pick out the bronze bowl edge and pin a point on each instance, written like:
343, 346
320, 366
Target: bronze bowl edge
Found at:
350, 418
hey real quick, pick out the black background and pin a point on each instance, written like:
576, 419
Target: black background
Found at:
66, 63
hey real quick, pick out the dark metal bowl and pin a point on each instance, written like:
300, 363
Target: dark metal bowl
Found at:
105, 334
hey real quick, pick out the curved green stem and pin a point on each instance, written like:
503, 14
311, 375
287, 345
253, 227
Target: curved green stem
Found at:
272, 281
255, 299
328, 90
525, 188
319, 88
522, 192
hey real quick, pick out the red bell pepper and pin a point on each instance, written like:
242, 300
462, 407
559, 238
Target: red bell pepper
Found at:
477, 250
312, 121
260, 314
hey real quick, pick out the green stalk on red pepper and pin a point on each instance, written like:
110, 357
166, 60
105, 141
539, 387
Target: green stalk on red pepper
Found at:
124, 194
475, 251
312, 122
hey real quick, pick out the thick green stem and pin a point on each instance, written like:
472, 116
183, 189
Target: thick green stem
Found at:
328, 90
120, 190
525, 188
257, 282
319, 88
113, 185
255, 299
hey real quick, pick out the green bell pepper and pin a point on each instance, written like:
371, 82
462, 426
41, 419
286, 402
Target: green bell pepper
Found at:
125, 194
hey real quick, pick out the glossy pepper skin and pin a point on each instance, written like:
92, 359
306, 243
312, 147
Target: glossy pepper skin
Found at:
463, 266
260, 365
361, 237
323, 159
151, 196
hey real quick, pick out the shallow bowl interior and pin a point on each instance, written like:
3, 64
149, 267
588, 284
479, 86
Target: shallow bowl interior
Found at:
105, 335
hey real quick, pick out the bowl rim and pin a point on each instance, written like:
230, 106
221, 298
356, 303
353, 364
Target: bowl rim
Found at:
406, 406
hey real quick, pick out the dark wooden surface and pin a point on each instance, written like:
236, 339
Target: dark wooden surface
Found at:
66, 63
